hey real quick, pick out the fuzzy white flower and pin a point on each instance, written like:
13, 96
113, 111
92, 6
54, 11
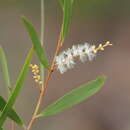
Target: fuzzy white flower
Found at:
85, 52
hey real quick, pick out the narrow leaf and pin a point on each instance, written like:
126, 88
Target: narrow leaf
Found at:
12, 114
74, 97
4, 64
67, 12
62, 3
36, 42
17, 88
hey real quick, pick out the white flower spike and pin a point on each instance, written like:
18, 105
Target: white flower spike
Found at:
85, 52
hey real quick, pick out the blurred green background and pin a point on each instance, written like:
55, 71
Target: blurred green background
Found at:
93, 21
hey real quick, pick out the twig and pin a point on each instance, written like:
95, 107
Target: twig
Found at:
45, 84
43, 90
12, 125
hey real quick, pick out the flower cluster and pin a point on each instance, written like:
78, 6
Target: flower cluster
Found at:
36, 75
85, 52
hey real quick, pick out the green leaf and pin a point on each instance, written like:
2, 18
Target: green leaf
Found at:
36, 42
12, 114
17, 88
62, 3
67, 12
4, 64
74, 97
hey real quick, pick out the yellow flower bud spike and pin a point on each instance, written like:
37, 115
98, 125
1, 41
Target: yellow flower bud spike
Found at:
36, 75
101, 47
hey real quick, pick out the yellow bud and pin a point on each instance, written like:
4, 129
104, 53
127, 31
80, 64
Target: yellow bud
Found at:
40, 82
33, 70
95, 51
93, 47
35, 67
36, 80
34, 77
100, 45
102, 48
38, 77
108, 42
30, 65
36, 71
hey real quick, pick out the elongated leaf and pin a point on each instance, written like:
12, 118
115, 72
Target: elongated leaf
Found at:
12, 114
17, 88
62, 3
4, 64
74, 97
67, 12
36, 42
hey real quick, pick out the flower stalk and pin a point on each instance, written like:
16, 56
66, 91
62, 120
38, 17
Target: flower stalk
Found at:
65, 60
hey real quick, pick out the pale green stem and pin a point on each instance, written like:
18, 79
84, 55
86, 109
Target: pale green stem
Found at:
42, 39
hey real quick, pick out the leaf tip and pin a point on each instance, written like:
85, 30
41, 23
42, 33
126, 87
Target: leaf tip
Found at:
23, 17
24, 20
102, 79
